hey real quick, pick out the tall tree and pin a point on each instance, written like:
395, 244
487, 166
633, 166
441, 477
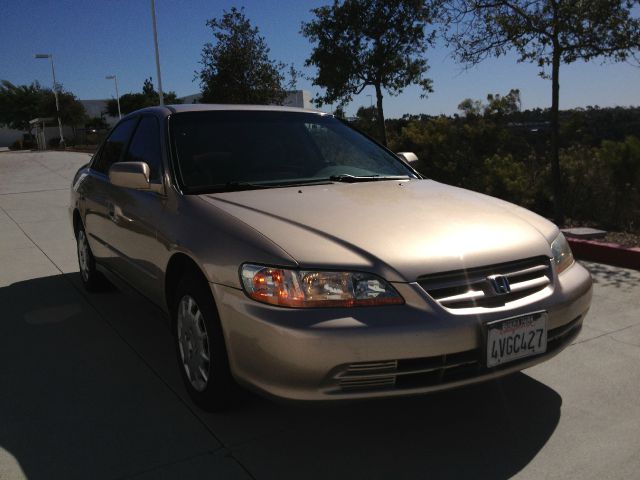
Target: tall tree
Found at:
21, 103
236, 68
149, 97
72, 112
550, 33
361, 43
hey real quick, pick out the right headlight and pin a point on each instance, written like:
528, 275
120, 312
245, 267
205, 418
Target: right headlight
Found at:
312, 289
561, 251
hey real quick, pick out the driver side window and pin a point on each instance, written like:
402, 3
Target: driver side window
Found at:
113, 148
145, 147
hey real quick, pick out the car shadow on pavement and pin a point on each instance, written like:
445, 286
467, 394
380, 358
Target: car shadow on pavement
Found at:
610, 276
89, 388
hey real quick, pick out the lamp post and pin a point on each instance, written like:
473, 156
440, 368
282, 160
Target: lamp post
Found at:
55, 92
155, 43
115, 79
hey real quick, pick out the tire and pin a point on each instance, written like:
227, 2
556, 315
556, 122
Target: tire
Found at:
200, 346
92, 280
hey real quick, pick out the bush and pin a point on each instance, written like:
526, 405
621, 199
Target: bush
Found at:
622, 161
509, 179
602, 185
27, 142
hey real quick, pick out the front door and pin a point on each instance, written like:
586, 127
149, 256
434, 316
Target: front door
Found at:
135, 214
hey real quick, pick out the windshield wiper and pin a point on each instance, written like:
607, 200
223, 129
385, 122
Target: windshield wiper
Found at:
224, 187
298, 183
347, 178
235, 186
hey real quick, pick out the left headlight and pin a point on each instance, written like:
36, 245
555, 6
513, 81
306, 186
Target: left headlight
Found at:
309, 288
561, 251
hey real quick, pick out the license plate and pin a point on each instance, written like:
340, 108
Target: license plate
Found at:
515, 338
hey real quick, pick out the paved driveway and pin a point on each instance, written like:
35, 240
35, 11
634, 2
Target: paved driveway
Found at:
89, 387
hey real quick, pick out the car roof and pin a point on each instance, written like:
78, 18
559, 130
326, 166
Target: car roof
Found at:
210, 107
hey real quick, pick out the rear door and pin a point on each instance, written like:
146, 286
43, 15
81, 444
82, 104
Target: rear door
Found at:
99, 193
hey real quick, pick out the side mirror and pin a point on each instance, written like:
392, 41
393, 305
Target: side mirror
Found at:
409, 157
412, 160
130, 175
134, 175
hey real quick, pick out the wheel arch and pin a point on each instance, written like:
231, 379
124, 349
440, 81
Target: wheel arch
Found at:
77, 221
180, 264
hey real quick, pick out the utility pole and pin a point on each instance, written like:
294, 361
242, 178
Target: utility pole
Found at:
115, 79
55, 92
155, 43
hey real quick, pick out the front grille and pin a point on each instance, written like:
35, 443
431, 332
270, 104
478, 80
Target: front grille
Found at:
471, 288
438, 370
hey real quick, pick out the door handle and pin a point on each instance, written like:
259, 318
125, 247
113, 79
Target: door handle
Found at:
111, 211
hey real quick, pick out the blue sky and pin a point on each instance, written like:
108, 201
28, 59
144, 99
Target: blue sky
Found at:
91, 39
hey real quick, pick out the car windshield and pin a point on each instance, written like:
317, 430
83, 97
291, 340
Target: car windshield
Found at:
230, 150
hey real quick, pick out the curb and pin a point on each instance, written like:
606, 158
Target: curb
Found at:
609, 253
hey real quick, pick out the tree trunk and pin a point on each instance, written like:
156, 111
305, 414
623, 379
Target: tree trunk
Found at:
556, 180
380, 112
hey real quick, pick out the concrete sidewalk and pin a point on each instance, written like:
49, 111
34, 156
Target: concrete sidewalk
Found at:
89, 385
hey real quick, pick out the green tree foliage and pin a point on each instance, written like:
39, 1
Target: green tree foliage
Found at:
367, 121
360, 43
503, 152
603, 184
497, 105
72, 112
236, 67
149, 97
339, 112
549, 33
21, 103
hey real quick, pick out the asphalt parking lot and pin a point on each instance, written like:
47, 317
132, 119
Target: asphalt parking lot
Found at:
89, 386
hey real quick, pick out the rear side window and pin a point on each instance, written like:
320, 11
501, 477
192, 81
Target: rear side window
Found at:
113, 148
145, 146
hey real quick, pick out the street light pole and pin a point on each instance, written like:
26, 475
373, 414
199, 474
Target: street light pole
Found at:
115, 79
55, 92
155, 43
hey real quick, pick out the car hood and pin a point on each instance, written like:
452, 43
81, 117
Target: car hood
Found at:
398, 229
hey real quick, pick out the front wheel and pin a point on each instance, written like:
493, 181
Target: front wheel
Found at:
200, 346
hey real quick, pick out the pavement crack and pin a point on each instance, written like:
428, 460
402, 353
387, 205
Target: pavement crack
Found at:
167, 464
625, 343
31, 239
44, 165
100, 315
144, 361
34, 191
605, 334
244, 469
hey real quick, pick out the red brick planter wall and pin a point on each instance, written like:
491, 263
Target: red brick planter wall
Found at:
609, 253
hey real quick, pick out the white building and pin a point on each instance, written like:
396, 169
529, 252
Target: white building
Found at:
98, 108
294, 98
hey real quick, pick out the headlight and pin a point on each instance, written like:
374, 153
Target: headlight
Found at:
561, 251
307, 289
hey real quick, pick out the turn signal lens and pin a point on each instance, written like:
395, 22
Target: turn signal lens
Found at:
309, 289
561, 251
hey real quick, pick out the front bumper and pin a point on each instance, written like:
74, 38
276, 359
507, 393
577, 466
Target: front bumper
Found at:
351, 353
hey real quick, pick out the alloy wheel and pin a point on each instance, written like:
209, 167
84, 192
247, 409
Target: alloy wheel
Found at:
193, 343
83, 255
